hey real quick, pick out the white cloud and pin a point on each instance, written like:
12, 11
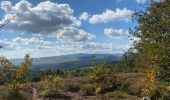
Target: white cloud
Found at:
74, 34
32, 41
115, 33
39, 48
141, 1
8, 45
112, 16
45, 18
84, 16
97, 46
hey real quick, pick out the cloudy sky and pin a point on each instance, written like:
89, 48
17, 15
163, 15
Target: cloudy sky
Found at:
59, 27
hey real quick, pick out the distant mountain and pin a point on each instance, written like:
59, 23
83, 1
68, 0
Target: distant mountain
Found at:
71, 61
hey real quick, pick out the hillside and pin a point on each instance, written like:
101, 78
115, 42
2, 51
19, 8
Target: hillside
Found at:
72, 61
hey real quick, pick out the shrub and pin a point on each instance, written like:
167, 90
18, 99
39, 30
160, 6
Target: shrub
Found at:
161, 93
17, 95
104, 78
71, 87
73, 84
100, 75
87, 90
131, 83
51, 86
15, 92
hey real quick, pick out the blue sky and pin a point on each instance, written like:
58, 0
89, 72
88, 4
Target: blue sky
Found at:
59, 27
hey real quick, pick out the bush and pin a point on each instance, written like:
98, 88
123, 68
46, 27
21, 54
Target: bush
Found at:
51, 86
87, 90
161, 93
104, 78
8, 94
73, 84
71, 87
131, 83
16, 95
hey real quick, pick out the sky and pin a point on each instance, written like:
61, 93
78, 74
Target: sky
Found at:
59, 27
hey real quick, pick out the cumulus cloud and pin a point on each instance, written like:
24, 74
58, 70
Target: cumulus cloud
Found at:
84, 16
33, 41
44, 18
112, 16
8, 45
141, 1
74, 34
115, 33
97, 46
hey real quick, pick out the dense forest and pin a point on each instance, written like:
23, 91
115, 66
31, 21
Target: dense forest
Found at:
142, 73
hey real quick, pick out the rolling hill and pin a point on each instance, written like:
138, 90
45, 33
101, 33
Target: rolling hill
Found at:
72, 61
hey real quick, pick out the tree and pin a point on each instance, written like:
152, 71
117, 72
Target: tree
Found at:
128, 62
14, 78
154, 33
153, 48
22, 72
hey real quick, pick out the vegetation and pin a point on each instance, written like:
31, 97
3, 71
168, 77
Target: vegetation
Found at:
14, 79
153, 45
144, 70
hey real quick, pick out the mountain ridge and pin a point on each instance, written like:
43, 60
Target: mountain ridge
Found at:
72, 60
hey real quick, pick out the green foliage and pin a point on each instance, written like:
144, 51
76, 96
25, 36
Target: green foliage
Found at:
153, 46
101, 75
128, 62
154, 33
104, 79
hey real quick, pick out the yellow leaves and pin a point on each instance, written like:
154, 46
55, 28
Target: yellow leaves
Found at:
168, 88
23, 70
101, 75
52, 83
15, 86
98, 90
149, 82
14, 78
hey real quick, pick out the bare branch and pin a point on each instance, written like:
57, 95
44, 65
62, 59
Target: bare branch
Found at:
4, 22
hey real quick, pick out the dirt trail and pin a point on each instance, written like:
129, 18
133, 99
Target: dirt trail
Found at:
35, 95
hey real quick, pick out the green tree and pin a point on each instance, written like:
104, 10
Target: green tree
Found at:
153, 48
128, 62
154, 32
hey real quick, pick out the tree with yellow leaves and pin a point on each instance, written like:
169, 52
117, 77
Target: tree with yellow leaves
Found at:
14, 79
153, 46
